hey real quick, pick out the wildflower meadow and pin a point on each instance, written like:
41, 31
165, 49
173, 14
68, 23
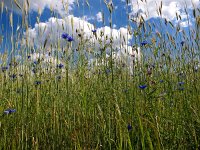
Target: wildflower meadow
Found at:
73, 77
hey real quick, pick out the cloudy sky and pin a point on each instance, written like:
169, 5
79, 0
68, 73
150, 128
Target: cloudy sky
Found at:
87, 15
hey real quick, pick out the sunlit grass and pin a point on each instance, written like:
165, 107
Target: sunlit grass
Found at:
51, 100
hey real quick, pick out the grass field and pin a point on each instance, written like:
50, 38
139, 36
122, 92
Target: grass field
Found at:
154, 104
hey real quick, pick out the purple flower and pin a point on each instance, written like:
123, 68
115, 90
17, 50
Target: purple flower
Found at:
182, 43
4, 68
144, 43
181, 83
108, 71
29, 57
94, 31
65, 35
60, 66
142, 87
181, 88
13, 76
35, 62
70, 39
161, 81
129, 127
9, 111
37, 82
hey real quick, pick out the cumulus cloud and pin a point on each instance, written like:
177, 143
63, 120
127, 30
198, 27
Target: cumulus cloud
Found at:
49, 34
61, 6
150, 8
79, 29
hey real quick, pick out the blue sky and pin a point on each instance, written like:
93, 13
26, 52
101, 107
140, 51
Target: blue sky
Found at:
92, 15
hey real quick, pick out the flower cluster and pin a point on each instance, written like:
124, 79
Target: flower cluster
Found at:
180, 86
37, 82
9, 111
67, 37
129, 127
4, 68
142, 86
60, 66
144, 43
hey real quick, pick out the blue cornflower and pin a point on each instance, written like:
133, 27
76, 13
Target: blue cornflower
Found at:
13, 76
161, 81
144, 43
60, 66
35, 62
65, 35
142, 86
70, 39
108, 71
182, 43
180, 88
9, 111
4, 68
94, 31
129, 127
37, 82
29, 57
181, 83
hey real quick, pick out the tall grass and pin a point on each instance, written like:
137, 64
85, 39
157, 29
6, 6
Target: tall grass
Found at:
153, 105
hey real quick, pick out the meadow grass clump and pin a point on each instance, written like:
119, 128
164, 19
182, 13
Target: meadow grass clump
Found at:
82, 97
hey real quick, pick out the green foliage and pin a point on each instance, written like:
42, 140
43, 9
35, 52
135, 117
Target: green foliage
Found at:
73, 107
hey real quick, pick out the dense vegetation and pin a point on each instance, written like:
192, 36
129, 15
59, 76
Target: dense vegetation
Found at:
152, 105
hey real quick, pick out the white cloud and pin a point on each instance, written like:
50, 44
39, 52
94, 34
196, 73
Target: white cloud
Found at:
60, 6
150, 8
99, 17
185, 23
54, 27
52, 30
